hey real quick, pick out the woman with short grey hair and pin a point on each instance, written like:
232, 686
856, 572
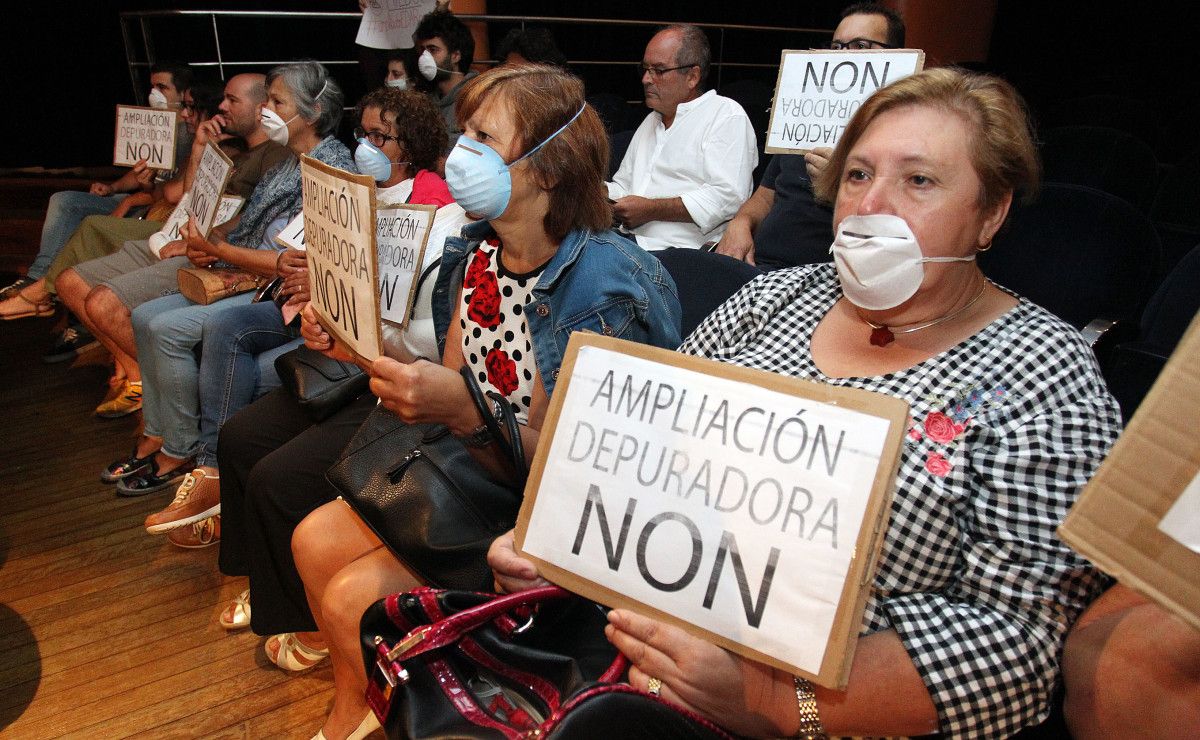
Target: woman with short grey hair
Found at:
317, 97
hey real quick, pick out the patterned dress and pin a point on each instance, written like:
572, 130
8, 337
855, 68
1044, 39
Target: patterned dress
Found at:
1005, 430
496, 343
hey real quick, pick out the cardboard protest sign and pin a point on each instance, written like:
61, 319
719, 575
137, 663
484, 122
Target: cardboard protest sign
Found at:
292, 235
743, 506
208, 186
389, 24
401, 234
339, 218
226, 209
145, 133
1117, 521
818, 91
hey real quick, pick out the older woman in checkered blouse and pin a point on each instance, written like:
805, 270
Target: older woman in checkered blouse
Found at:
1010, 417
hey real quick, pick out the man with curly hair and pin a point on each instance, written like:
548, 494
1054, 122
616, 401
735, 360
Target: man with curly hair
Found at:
446, 50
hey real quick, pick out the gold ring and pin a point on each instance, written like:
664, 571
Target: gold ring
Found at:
653, 686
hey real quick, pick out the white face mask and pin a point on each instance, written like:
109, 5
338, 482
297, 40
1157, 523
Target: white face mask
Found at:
276, 127
429, 68
157, 99
400, 84
879, 261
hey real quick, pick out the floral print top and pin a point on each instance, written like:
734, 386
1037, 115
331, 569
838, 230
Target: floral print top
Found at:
496, 343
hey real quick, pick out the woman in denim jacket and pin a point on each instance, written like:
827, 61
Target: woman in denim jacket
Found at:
540, 264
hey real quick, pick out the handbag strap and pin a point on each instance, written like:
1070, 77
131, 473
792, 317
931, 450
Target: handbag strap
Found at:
452, 628
514, 435
511, 448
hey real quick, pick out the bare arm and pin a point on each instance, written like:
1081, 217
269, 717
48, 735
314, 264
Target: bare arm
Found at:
1131, 669
634, 210
738, 239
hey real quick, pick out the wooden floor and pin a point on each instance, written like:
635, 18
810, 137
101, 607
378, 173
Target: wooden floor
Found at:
106, 631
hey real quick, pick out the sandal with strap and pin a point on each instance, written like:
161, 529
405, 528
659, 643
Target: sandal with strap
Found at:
236, 615
292, 655
39, 310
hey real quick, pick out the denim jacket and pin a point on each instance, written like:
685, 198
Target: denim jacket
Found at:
598, 282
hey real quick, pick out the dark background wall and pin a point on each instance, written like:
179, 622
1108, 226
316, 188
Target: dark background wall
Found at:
64, 65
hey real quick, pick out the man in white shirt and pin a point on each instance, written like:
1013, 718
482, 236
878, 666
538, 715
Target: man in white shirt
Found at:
690, 164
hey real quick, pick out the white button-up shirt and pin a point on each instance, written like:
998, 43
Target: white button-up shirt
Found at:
707, 157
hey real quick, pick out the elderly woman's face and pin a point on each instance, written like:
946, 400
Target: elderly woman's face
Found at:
913, 162
493, 124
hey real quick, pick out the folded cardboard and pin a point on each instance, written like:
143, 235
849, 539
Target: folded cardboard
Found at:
1115, 522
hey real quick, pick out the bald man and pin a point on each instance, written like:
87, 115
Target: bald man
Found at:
103, 292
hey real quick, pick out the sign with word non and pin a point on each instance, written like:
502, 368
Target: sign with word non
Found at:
339, 232
226, 209
292, 235
145, 134
401, 234
743, 506
818, 91
208, 186
389, 24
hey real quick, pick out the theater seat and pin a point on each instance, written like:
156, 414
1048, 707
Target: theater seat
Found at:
1102, 158
618, 145
1132, 367
1176, 208
1080, 253
705, 280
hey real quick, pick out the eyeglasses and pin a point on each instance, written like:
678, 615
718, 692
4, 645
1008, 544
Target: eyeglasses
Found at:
656, 72
377, 138
858, 45
185, 105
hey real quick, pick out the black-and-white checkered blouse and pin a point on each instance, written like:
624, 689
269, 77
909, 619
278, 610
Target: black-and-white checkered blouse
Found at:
1005, 430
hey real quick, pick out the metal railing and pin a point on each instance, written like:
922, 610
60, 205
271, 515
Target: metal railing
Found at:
136, 25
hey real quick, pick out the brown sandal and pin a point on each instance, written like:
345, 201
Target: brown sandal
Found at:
39, 310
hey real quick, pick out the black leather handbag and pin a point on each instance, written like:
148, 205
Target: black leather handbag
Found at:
423, 494
535, 664
320, 384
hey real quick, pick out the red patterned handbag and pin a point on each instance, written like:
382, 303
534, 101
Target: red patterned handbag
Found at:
532, 664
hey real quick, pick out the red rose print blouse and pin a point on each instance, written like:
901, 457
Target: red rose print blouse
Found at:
496, 343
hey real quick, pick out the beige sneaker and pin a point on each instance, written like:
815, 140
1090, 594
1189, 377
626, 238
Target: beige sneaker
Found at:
198, 498
201, 534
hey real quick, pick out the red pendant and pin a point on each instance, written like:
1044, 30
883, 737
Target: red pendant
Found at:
882, 336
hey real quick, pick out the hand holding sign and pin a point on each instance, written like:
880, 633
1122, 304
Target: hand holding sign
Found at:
200, 251
513, 573
424, 392
700, 676
339, 234
740, 505
316, 338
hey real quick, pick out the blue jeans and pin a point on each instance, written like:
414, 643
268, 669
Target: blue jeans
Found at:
66, 211
167, 331
237, 366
